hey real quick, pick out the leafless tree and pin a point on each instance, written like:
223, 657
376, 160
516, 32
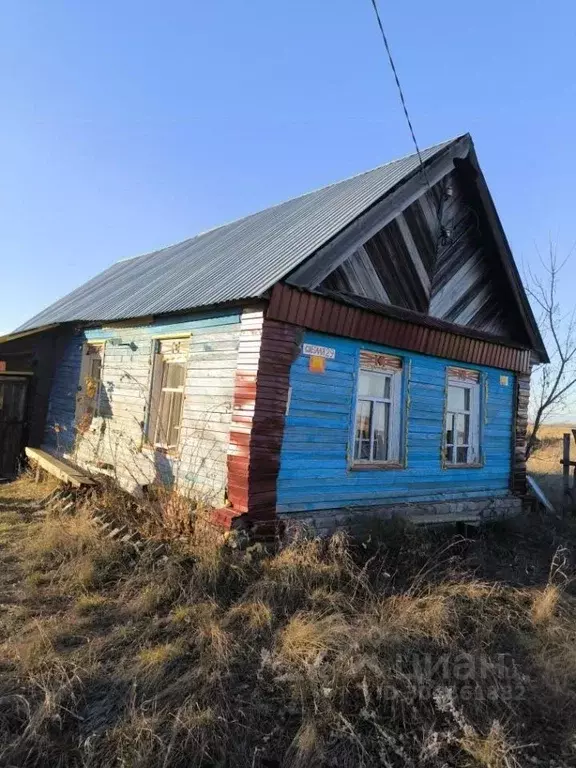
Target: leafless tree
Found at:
553, 382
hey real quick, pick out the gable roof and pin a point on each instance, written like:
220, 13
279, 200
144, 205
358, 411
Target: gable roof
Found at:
240, 260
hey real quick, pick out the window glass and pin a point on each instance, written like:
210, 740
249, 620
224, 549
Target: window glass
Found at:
457, 398
461, 437
462, 429
381, 431
363, 430
372, 384
461, 455
378, 415
450, 428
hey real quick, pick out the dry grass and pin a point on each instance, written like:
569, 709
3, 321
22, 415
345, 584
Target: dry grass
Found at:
308, 637
410, 616
251, 615
88, 604
26, 490
409, 648
544, 604
544, 464
152, 658
63, 538
492, 750
306, 750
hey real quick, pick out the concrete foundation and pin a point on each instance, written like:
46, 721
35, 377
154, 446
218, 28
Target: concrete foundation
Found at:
326, 521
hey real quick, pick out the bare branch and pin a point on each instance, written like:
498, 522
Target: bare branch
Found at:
553, 382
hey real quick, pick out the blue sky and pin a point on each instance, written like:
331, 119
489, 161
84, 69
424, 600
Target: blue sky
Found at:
126, 126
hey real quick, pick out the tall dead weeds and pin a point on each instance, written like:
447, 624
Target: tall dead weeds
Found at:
329, 652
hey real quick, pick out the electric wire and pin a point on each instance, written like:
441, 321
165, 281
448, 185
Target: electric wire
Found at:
443, 236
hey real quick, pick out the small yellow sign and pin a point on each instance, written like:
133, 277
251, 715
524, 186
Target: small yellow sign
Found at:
503, 381
317, 364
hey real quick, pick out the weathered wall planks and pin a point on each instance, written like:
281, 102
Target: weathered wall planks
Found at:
36, 355
519, 471
279, 349
411, 263
314, 467
266, 352
243, 409
117, 437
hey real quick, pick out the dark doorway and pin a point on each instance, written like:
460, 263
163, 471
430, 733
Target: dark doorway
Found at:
12, 417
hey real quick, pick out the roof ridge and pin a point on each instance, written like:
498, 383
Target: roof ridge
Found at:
292, 199
235, 261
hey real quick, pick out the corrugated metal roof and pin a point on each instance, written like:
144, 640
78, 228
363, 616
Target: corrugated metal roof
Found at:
240, 260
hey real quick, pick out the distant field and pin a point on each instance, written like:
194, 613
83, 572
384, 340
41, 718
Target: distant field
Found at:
544, 464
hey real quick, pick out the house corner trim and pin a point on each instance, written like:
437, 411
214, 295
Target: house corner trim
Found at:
265, 354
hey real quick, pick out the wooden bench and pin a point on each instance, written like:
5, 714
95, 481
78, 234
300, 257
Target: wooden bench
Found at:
64, 471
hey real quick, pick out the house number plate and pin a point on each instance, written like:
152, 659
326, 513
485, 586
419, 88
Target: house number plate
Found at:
315, 351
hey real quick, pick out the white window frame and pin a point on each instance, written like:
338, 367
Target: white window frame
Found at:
83, 402
395, 417
473, 444
160, 358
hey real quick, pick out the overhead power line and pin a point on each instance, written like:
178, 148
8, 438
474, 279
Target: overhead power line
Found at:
400, 91
443, 234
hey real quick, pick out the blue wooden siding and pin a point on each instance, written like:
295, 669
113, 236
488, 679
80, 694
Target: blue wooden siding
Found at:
318, 435
126, 379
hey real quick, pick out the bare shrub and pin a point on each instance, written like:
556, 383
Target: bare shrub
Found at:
552, 382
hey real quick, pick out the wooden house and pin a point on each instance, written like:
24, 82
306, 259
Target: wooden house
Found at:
364, 347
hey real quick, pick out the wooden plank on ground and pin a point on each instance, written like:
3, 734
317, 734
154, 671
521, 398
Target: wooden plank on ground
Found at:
57, 468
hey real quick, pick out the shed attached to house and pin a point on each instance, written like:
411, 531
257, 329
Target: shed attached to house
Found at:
366, 346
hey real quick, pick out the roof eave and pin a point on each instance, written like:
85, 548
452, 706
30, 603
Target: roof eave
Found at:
508, 262
31, 332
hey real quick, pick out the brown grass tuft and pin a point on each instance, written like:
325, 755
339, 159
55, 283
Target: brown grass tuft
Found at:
150, 599
215, 643
158, 655
25, 489
88, 604
252, 615
544, 604
63, 538
306, 750
409, 616
492, 750
308, 636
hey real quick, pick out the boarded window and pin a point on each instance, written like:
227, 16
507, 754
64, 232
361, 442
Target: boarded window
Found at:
90, 384
378, 409
167, 394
